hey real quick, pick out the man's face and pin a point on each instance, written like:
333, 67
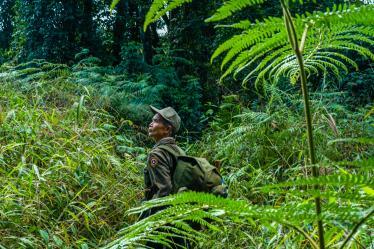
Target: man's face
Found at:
157, 129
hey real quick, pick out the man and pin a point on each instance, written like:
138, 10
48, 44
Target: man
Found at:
160, 163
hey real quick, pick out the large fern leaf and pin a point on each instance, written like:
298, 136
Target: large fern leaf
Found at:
160, 8
263, 52
194, 207
230, 7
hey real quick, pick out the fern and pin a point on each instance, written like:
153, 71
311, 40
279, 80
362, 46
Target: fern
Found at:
34, 70
230, 7
160, 8
244, 25
198, 207
329, 32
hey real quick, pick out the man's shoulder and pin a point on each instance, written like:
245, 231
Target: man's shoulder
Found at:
160, 156
158, 151
168, 149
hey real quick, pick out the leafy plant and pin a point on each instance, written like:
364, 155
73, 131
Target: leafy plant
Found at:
309, 44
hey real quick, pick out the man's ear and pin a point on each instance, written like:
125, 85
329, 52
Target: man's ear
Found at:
170, 129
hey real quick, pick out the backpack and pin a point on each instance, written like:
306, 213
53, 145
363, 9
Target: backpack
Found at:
196, 174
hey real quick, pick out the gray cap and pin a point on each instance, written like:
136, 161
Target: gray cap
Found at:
170, 115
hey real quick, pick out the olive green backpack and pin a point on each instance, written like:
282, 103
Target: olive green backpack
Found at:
196, 174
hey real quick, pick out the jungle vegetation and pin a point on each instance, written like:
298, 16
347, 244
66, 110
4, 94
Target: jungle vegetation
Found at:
279, 92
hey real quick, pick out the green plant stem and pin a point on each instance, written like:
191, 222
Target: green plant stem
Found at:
302, 232
299, 56
315, 172
354, 230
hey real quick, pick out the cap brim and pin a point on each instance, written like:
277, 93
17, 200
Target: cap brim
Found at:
154, 109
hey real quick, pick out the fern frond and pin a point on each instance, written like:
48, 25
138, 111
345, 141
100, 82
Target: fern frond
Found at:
353, 194
343, 14
346, 180
181, 209
226, 46
331, 62
230, 7
256, 117
331, 35
363, 165
254, 53
343, 57
274, 55
274, 66
244, 24
366, 164
160, 8
340, 45
256, 34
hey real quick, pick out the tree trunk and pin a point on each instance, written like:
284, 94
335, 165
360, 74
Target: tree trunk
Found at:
119, 30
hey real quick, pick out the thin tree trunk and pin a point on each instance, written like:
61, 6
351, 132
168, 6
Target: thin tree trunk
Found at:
119, 30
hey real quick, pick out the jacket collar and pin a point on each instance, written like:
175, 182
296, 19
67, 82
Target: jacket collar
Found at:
165, 140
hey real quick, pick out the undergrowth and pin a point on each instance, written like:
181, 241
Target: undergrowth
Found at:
70, 170
67, 174
262, 154
265, 147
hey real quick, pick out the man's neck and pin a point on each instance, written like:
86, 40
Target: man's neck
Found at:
165, 140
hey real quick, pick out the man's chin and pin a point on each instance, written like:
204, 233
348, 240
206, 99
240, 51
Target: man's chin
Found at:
150, 134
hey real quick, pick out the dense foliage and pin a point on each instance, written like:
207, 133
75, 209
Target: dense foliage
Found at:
297, 51
64, 167
76, 79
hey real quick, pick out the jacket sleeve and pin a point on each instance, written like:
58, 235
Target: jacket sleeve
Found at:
159, 167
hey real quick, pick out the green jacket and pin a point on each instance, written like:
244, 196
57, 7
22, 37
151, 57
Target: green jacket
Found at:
160, 168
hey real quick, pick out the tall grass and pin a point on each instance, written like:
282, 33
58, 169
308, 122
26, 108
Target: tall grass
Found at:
66, 175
